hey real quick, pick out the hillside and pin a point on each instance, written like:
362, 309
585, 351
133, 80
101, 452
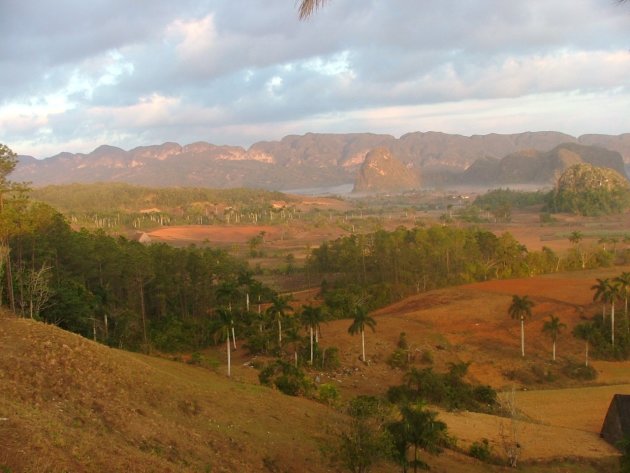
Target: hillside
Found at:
382, 172
311, 160
533, 166
67, 403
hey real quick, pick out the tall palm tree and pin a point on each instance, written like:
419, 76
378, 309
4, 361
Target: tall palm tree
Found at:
520, 309
553, 327
601, 288
360, 320
624, 289
611, 295
277, 311
311, 318
225, 324
585, 332
226, 293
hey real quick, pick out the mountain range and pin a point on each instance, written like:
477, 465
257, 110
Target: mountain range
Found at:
319, 160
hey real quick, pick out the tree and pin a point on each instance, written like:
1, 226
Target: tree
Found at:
225, 324
624, 289
8, 161
611, 295
228, 292
553, 327
277, 311
364, 442
307, 7
359, 322
420, 429
311, 319
520, 309
586, 332
601, 289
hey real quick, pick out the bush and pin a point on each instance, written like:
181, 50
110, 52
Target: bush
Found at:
399, 359
579, 371
426, 357
447, 389
327, 359
481, 450
286, 378
328, 394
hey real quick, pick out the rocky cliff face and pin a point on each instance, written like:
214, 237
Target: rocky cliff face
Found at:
381, 172
532, 166
317, 160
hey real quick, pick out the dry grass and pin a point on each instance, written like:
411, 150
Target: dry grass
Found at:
73, 405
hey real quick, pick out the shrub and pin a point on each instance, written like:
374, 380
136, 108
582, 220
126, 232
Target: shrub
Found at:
426, 357
579, 371
328, 394
481, 450
399, 359
286, 378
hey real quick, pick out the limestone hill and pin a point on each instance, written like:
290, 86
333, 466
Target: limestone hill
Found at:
382, 172
532, 166
590, 190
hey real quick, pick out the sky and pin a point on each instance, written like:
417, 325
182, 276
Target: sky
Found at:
78, 74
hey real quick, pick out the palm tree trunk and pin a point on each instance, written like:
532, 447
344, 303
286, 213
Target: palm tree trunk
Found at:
522, 337
279, 332
586, 363
233, 336
311, 344
229, 355
612, 323
554, 351
363, 344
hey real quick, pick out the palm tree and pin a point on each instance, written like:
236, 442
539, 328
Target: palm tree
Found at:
611, 295
359, 322
601, 288
420, 428
279, 307
520, 309
311, 318
307, 7
226, 324
624, 288
553, 327
226, 293
585, 332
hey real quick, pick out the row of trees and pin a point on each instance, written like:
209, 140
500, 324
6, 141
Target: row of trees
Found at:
386, 266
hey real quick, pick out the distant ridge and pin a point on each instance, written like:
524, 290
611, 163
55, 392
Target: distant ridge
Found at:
310, 160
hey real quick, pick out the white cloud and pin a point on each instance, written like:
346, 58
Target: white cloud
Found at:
155, 70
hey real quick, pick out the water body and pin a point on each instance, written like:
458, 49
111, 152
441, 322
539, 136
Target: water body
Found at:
342, 189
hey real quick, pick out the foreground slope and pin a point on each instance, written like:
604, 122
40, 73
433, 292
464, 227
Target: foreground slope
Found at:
68, 404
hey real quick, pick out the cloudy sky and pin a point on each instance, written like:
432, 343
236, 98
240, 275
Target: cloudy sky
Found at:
77, 74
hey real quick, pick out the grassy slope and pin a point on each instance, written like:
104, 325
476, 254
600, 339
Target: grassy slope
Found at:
69, 404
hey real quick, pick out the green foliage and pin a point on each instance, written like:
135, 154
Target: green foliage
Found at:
624, 459
382, 267
589, 190
287, 378
445, 389
418, 429
363, 443
118, 205
579, 371
328, 394
497, 198
481, 450
399, 359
